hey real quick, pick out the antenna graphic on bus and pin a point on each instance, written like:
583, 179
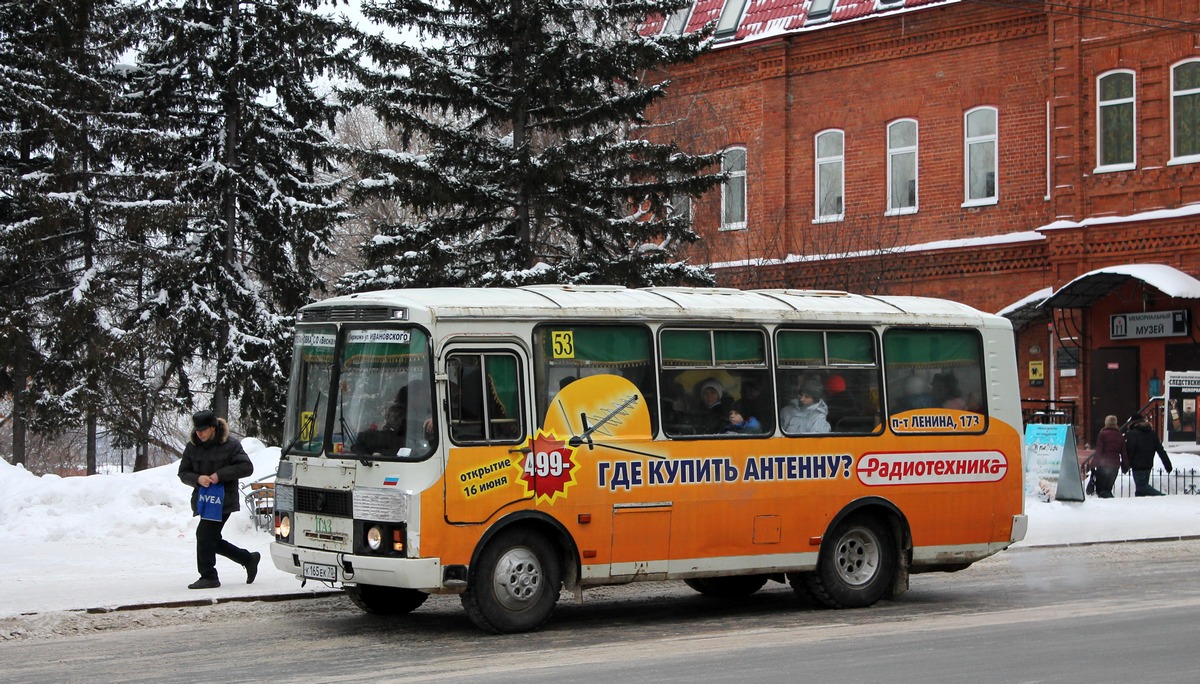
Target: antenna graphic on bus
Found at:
589, 429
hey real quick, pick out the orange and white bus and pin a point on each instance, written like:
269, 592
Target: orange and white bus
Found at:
505, 444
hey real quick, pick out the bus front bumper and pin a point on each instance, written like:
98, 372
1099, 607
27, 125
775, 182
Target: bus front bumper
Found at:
423, 574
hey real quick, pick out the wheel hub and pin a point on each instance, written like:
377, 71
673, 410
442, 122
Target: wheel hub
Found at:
518, 578
857, 557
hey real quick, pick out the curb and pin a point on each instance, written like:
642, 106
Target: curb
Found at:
1068, 545
207, 602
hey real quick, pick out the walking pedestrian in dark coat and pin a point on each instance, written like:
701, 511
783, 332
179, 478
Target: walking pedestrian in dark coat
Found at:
1110, 455
1142, 444
212, 456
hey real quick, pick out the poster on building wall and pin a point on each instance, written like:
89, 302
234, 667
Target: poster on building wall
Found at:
1052, 463
1179, 409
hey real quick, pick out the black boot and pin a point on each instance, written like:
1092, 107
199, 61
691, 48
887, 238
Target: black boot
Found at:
252, 567
205, 583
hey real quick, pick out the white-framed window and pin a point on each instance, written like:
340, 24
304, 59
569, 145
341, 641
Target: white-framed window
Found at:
1116, 117
902, 166
980, 165
733, 190
1185, 112
678, 21
830, 175
731, 16
820, 10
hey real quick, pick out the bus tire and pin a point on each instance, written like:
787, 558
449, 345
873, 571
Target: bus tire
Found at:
857, 564
727, 587
799, 582
385, 600
514, 584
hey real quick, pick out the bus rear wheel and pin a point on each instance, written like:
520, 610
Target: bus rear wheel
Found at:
385, 600
514, 584
727, 587
857, 564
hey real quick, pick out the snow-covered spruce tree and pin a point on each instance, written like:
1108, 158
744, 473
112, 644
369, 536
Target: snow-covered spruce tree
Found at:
60, 211
240, 129
531, 169
24, 151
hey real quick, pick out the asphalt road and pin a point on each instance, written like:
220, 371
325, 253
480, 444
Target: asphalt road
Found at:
1105, 613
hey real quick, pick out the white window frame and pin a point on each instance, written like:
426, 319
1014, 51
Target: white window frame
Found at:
820, 11
1130, 101
731, 11
840, 160
893, 152
993, 139
683, 14
737, 177
1186, 158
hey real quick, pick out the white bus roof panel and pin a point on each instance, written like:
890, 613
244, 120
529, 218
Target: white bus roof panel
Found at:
665, 303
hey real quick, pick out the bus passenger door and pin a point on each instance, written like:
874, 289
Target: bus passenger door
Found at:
487, 430
641, 537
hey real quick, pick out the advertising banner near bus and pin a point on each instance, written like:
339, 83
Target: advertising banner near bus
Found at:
1182, 390
1052, 463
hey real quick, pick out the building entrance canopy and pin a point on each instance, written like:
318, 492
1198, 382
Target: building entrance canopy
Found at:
1089, 287
1083, 291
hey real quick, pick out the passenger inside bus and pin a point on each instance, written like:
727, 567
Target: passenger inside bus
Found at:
740, 423
714, 407
807, 413
916, 395
758, 403
946, 392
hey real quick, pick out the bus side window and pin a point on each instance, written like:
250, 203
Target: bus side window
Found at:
564, 353
931, 368
484, 398
828, 381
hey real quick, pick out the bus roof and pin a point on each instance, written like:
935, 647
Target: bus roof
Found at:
660, 303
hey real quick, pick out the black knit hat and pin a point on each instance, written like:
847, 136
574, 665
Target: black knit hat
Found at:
203, 419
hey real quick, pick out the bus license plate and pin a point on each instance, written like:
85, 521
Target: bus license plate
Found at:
327, 573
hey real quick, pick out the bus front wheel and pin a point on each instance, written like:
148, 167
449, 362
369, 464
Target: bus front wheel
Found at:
856, 565
514, 584
385, 600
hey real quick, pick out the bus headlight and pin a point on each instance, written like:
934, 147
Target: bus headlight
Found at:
374, 538
284, 529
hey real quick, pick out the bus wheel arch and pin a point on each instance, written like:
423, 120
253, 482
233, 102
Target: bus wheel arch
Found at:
864, 556
517, 572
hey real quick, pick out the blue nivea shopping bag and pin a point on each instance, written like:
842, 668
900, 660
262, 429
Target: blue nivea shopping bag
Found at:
211, 502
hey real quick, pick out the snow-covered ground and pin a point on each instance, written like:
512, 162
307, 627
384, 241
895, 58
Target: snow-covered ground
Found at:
129, 539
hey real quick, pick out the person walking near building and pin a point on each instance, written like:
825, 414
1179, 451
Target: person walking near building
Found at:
1142, 444
1110, 455
214, 457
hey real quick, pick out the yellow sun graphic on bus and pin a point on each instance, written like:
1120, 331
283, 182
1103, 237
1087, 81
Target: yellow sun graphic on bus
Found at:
548, 468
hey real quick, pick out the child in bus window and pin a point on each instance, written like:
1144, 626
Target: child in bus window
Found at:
741, 424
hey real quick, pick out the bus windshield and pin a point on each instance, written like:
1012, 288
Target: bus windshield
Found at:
312, 369
383, 398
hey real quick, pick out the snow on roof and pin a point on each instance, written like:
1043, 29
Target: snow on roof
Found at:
1090, 286
1032, 298
1002, 239
1152, 215
762, 19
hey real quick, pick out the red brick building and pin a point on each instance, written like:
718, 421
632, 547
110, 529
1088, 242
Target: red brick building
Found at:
993, 153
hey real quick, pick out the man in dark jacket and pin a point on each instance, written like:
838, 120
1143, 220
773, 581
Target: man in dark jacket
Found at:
212, 456
1142, 444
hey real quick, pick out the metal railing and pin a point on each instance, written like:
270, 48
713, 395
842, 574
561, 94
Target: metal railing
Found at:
1047, 412
1177, 482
